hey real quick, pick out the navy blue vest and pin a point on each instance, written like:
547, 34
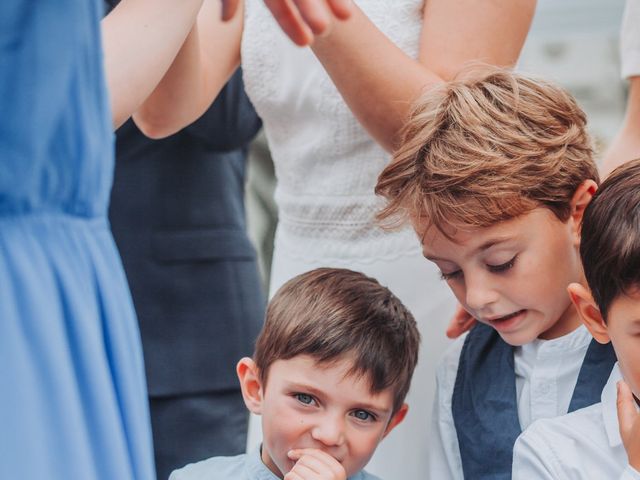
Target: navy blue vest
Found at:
484, 404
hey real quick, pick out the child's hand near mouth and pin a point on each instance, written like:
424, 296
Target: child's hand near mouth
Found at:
314, 464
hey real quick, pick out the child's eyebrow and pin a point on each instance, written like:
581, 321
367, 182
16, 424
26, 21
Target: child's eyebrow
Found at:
304, 388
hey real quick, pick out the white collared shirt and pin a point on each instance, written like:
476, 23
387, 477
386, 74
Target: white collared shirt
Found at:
584, 444
546, 375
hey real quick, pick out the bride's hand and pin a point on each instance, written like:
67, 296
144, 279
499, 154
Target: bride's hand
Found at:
301, 20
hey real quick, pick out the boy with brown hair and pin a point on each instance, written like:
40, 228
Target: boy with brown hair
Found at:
494, 174
603, 440
329, 375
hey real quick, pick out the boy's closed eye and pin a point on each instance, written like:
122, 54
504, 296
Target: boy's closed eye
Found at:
502, 267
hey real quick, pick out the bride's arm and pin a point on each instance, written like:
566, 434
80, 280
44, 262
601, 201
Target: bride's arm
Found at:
379, 82
301, 20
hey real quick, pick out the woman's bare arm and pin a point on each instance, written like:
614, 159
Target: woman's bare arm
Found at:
204, 63
626, 145
379, 82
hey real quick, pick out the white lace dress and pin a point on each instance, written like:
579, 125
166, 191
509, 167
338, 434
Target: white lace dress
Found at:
326, 166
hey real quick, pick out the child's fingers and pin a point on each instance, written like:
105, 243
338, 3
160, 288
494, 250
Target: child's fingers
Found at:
290, 21
229, 9
629, 424
461, 322
318, 462
627, 413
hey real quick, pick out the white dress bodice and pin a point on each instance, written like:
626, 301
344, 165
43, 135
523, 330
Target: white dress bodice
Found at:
326, 164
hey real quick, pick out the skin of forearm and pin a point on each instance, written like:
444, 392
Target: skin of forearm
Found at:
207, 59
140, 40
626, 144
380, 85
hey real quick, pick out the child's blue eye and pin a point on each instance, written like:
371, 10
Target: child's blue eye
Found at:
502, 267
304, 398
363, 415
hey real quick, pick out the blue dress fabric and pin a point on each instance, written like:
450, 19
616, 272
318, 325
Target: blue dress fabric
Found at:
72, 389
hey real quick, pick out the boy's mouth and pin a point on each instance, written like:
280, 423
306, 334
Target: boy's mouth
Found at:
505, 321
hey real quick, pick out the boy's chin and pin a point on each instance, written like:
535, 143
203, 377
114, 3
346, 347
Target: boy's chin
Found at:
517, 339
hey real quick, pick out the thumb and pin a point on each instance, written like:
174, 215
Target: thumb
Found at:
626, 410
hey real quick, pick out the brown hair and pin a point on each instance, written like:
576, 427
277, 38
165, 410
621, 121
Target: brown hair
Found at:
330, 314
485, 148
610, 243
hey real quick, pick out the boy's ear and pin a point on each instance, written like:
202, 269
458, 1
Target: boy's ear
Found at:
250, 384
581, 198
397, 418
589, 312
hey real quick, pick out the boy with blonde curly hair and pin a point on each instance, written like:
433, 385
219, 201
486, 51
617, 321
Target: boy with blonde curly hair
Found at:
494, 174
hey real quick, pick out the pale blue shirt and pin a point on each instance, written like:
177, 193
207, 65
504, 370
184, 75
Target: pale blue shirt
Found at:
241, 467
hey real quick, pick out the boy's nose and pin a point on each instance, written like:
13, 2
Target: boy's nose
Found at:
480, 293
329, 431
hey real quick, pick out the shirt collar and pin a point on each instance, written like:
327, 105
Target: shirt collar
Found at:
571, 342
256, 469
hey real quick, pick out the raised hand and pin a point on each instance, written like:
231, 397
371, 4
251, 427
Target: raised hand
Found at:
461, 322
301, 20
314, 464
629, 423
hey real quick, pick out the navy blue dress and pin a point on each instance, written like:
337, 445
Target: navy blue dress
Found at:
72, 389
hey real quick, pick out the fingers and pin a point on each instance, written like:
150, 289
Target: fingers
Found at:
229, 9
315, 13
302, 19
629, 424
461, 322
313, 464
342, 9
627, 412
290, 21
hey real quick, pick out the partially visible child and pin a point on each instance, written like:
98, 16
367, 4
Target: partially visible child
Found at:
494, 173
598, 441
330, 372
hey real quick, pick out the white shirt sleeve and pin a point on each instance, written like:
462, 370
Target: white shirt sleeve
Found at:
534, 458
444, 456
630, 473
630, 39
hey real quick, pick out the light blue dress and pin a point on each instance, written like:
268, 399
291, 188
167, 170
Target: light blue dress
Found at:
72, 390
